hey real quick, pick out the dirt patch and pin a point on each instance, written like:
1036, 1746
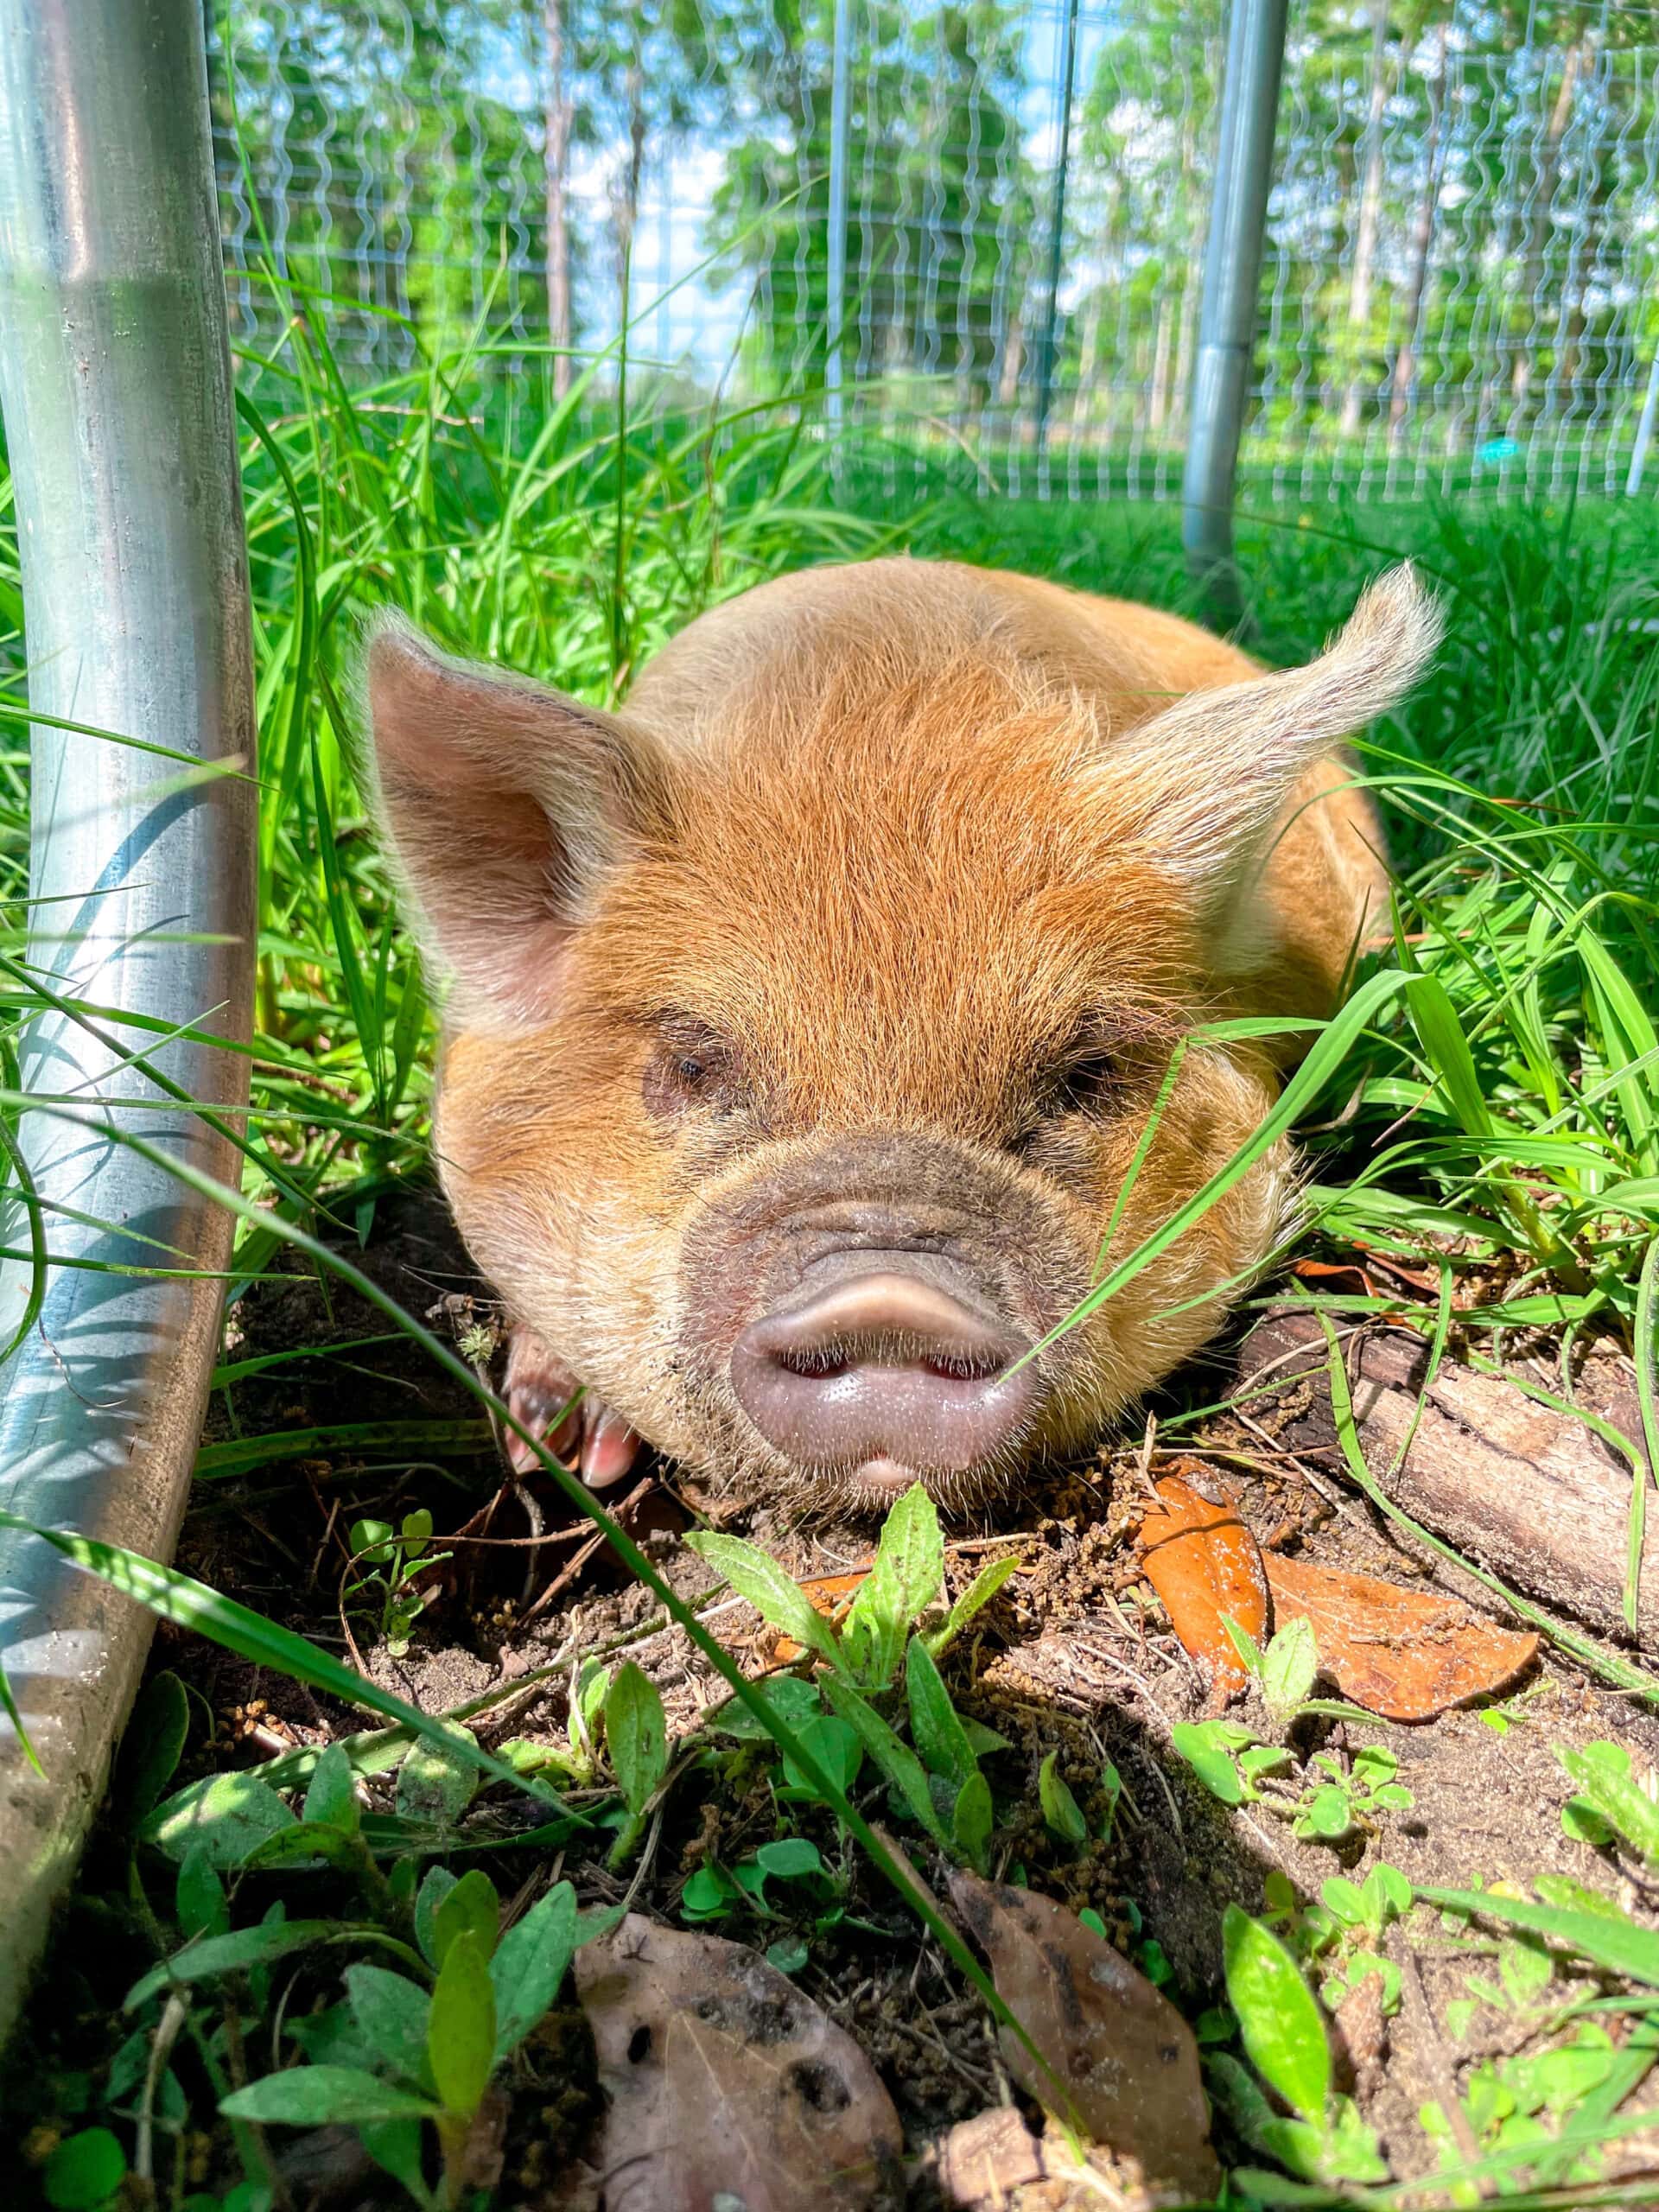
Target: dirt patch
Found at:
1073, 1658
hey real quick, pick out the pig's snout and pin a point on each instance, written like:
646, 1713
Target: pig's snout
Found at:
886, 1363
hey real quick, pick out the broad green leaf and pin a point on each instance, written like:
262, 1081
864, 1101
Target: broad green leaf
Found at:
433, 1890
1328, 1813
935, 1727
636, 1731
398, 2148
795, 1703
970, 1821
228, 1817
199, 1901
321, 2096
150, 1748
529, 1964
754, 1575
305, 1844
84, 2170
1288, 1667
437, 1781
470, 1909
390, 2013
903, 1580
460, 2028
242, 1949
1204, 1746
1278, 2016
836, 1748
789, 1857
331, 1798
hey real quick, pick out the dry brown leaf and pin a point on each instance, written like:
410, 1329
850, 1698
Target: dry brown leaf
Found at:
830, 1595
1124, 2056
1407, 1654
1203, 1562
724, 2081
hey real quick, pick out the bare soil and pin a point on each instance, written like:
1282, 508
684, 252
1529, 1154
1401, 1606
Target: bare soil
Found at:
1074, 1656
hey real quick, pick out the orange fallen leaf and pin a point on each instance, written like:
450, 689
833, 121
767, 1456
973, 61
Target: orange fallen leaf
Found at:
726, 2084
1126, 2061
1203, 1562
829, 1594
1407, 1654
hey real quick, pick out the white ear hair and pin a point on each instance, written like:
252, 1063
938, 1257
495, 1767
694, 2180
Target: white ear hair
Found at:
1209, 776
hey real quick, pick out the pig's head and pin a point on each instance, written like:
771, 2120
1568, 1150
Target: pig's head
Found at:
800, 1064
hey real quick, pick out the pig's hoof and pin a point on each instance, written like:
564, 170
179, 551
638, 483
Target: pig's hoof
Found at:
589, 1437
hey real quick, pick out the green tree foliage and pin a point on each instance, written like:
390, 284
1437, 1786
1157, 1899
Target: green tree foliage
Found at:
938, 244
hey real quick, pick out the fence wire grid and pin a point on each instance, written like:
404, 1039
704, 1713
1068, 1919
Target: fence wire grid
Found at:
1458, 290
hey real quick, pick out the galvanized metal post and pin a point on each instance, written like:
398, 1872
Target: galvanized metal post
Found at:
1644, 431
1055, 238
840, 124
115, 384
1232, 273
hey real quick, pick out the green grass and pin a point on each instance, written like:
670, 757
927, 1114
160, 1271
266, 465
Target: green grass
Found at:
1487, 1108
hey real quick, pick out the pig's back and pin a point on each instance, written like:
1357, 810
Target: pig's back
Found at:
911, 615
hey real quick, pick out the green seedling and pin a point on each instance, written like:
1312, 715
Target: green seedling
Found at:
635, 1735
1329, 1802
416, 2050
905, 1585
1062, 1813
1324, 2139
933, 1780
385, 1565
1612, 1802
1517, 2109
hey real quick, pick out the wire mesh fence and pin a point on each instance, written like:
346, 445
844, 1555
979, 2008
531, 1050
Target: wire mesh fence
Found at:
998, 265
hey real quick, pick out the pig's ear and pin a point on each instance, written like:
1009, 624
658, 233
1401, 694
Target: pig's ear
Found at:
505, 803
1207, 777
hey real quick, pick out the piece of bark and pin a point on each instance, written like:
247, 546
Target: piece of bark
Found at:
982, 2159
1534, 1495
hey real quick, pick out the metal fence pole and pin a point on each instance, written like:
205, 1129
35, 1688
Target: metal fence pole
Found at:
1232, 272
115, 388
1644, 431
1056, 237
840, 114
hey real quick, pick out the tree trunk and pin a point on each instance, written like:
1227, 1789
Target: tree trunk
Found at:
1370, 209
1423, 241
558, 111
1014, 356
1543, 203
1158, 396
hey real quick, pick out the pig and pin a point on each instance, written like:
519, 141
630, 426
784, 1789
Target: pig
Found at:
803, 1017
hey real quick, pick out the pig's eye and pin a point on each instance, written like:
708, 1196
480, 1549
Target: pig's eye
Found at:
691, 1067
1088, 1081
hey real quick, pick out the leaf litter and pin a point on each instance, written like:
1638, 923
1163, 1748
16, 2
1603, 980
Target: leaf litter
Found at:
1402, 1654
727, 2083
